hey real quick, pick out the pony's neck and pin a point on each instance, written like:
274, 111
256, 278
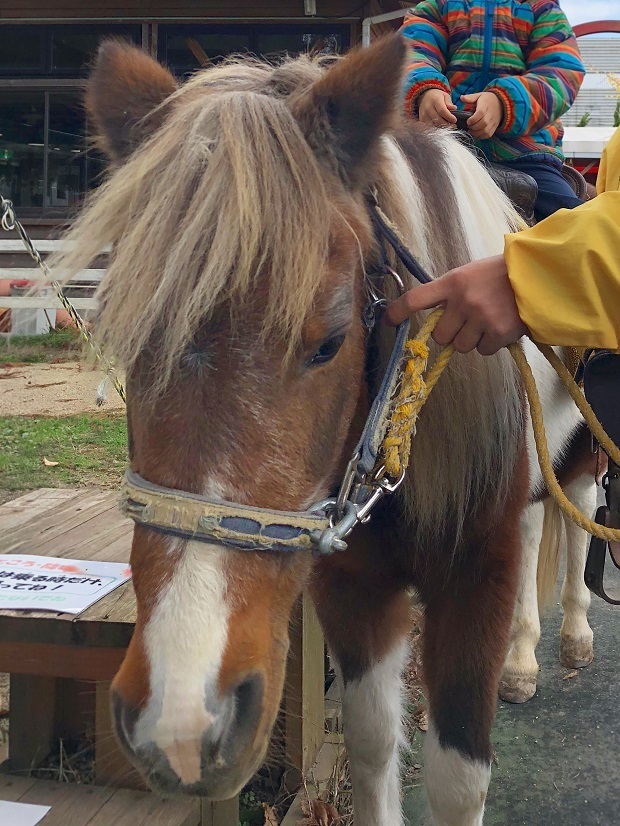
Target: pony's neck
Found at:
448, 212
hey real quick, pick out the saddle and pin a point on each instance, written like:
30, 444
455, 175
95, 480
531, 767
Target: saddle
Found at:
520, 187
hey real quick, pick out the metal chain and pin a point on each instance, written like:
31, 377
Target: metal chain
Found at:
10, 222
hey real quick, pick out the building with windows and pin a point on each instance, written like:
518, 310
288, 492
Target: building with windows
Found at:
46, 165
600, 93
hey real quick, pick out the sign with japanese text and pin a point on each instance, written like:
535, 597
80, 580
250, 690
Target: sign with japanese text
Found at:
21, 814
44, 583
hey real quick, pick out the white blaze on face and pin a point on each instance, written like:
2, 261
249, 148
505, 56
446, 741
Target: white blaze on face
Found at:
185, 640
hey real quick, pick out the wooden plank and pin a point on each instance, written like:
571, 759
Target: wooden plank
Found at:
57, 514
304, 689
32, 719
29, 507
72, 805
50, 302
64, 539
318, 781
130, 808
78, 662
117, 607
43, 245
107, 624
220, 812
35, 274
114, 545
13, 788
155, 8
112, 768
58, 520
75, 709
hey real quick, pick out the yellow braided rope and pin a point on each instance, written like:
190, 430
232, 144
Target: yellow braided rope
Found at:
415, 389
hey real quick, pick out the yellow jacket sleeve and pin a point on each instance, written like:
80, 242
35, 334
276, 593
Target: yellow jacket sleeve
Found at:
565, 271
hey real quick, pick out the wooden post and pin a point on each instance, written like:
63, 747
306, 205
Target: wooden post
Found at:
304, 689
112, 768
32, 720
220, 813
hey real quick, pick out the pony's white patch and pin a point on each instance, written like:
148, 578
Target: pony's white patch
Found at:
486, 225
456, 786
561, 415
518, 681
372, 710
185, 640
411, 202
576, 635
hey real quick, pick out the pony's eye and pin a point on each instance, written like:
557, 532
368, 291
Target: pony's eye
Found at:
326, 351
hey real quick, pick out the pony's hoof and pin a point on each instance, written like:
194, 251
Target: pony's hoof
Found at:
513, 689
576, 653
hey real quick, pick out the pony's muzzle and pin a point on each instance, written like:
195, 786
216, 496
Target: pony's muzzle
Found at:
215, 762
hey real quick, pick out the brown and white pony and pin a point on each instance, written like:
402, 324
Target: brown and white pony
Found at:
237, 215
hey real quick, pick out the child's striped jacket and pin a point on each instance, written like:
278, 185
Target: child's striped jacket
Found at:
524, 52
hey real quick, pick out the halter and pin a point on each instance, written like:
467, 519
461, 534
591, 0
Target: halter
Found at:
324, 527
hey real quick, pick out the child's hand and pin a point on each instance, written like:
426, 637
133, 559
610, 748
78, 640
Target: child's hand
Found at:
487, 116
436, 108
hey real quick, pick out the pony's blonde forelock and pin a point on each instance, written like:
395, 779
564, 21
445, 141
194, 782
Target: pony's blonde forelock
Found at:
226, 190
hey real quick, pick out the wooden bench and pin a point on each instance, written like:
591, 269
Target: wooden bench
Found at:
61, 665
74, 805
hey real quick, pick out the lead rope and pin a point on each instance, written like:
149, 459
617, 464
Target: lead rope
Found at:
10, 222
415, 390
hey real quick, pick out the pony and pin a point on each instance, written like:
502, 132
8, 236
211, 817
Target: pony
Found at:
236, 209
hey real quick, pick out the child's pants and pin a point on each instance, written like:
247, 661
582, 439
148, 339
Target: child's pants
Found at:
554, 192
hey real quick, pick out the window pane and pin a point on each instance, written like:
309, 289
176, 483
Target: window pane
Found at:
22, 117
185, 53
66, 170
295, 41
73, 47
21, 49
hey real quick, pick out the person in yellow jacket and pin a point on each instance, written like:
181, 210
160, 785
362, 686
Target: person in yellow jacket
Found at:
558, 281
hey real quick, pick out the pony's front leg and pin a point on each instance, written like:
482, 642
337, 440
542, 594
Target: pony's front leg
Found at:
366, 618
520, 672
576, 648
466, 632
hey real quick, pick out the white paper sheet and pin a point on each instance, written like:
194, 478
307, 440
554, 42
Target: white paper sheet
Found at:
45, 583
21, 814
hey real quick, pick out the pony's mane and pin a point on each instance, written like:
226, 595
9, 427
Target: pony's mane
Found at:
226, 187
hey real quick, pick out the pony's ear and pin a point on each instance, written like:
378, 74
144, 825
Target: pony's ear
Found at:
122, 95
344, 114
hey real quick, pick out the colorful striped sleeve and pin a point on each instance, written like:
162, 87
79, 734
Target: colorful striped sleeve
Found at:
427, 36
534, 100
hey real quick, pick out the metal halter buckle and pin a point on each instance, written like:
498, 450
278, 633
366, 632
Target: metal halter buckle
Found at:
357, 497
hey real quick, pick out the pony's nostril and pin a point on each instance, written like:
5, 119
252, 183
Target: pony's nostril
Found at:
247, 700
248, 696
125, 718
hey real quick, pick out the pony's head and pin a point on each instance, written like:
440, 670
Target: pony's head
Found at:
236, 214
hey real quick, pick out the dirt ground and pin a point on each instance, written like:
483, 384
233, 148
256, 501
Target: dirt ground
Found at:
52, 390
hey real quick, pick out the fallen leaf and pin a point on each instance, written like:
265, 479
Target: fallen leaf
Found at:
423, 722
570, 675
48, 463
270, 815
319, 813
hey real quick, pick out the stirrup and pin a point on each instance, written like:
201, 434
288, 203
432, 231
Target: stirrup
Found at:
608, 515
